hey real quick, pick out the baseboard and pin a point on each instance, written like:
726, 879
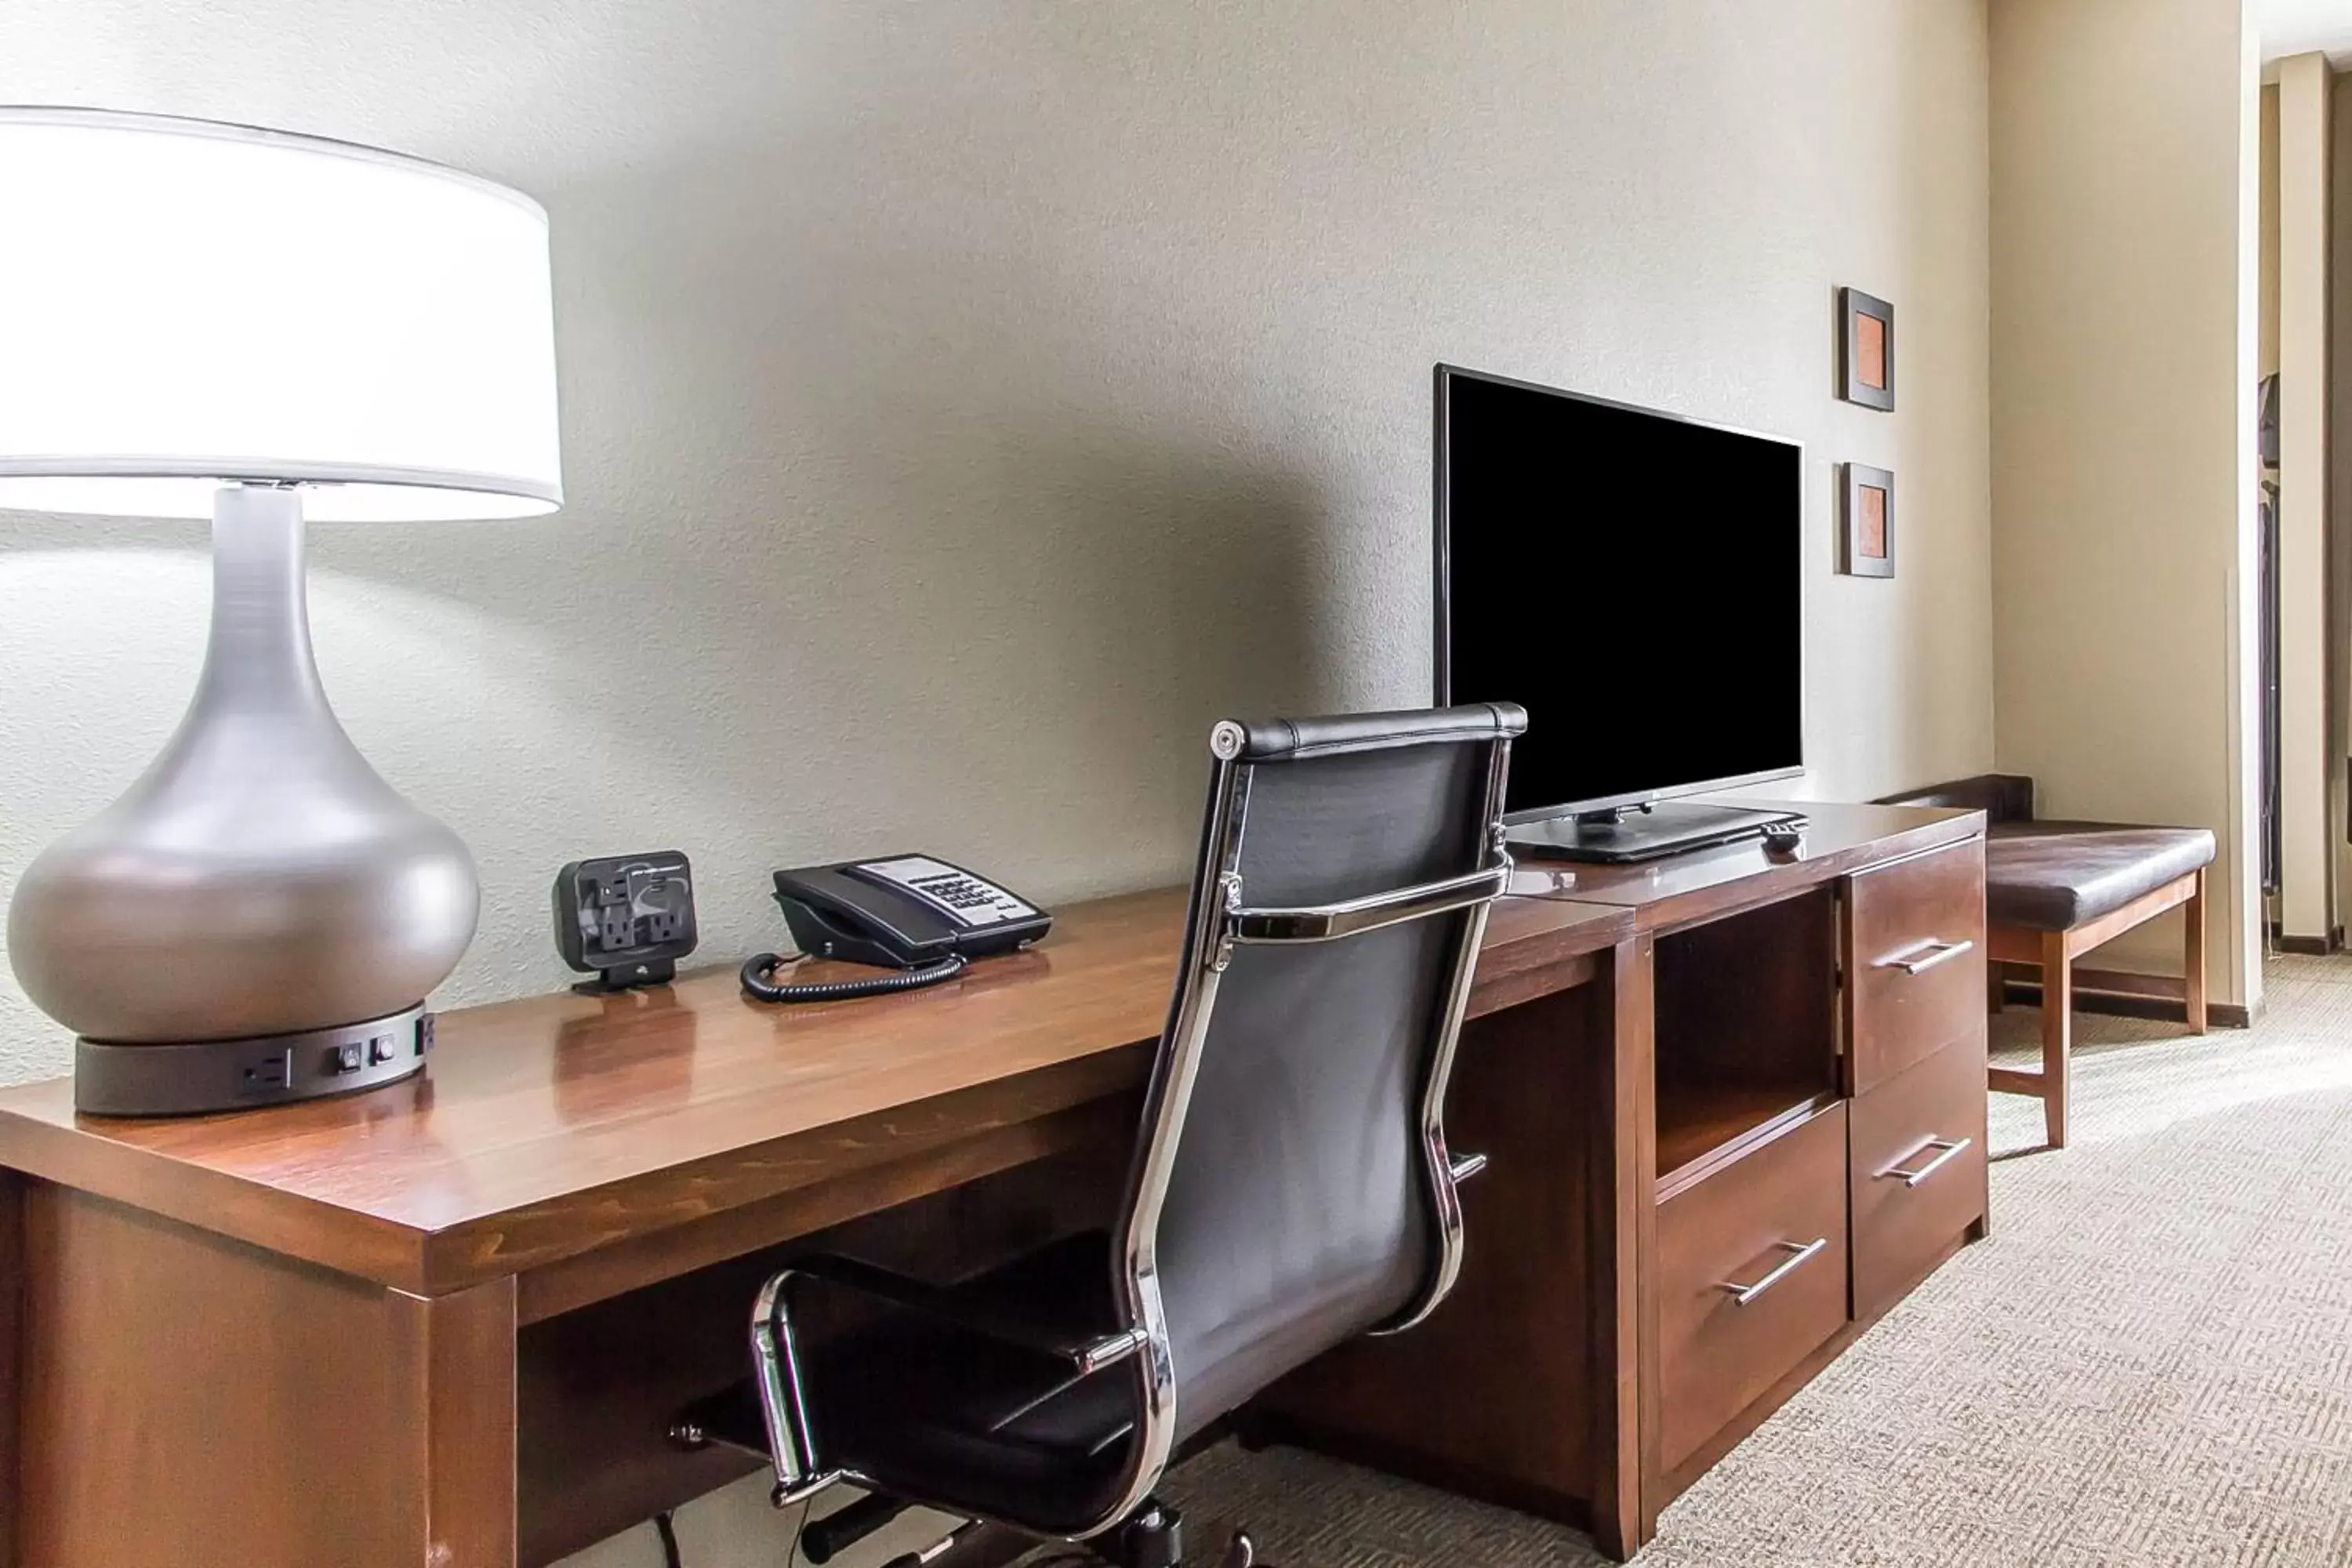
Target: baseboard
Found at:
2306, 946
2121, 993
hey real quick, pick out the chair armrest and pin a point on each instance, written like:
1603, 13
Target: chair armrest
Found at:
1086, 1353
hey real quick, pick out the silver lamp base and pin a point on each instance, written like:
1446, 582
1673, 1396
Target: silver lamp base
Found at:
234, 1075
260, 880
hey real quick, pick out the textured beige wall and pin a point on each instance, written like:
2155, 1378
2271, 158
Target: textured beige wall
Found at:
2125, 153
2339, 468
966, 405
2267, 343
2307, 735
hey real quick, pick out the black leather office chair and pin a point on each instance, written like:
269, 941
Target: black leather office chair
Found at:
1291, 1188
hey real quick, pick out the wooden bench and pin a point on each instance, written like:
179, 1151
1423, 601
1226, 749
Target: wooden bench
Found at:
2055, 889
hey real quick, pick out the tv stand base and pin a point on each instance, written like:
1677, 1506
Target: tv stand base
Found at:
1640, 832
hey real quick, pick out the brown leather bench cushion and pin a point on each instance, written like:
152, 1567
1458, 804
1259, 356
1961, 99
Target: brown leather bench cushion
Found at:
2055, 876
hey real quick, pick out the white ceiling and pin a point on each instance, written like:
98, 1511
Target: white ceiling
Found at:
2297, 26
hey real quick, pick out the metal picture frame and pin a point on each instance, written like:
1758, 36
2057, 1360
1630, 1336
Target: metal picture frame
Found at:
1865, 349
1866, 521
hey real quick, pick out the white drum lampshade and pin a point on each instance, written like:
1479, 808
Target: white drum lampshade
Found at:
203, 319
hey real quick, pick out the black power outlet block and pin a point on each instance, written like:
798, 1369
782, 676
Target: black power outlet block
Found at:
625, 919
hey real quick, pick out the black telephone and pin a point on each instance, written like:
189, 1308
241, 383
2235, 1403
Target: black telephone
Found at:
912, 913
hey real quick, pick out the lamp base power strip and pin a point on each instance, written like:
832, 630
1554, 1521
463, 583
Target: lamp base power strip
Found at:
236, 1075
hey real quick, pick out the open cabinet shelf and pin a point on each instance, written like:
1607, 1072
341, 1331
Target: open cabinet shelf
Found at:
1746, 1032
1700, 1129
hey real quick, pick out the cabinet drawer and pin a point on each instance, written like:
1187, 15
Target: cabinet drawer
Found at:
1914, 958
1918, 1172
1770, 1227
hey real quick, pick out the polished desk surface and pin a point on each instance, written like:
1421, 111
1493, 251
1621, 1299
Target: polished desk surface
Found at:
551, 1126
1701, 883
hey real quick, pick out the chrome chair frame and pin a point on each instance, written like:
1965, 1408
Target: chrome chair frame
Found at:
1218, 920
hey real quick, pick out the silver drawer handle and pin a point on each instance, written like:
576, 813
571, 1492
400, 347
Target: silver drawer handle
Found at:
1951, 1148
1923, 956
1798, 1252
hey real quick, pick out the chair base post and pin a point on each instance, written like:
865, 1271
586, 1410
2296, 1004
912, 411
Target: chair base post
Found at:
1154, 1538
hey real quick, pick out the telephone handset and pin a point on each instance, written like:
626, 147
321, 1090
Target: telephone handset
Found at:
909, 913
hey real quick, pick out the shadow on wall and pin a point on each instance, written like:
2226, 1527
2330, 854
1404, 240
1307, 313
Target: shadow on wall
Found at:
937, 476
875, 539
937, 535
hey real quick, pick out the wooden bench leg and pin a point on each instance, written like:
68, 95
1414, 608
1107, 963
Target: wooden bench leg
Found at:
2057, 1034
2192, 966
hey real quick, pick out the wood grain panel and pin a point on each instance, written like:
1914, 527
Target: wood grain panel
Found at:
454, 1357
1714, 1355
1619, 1132
1519, 1423
1708, 1454
1899, 1018
1535, 946
304, 1417
1530, 984
1898, 1228
13, 1189
556, 1125
1747, 1028
1102, 1125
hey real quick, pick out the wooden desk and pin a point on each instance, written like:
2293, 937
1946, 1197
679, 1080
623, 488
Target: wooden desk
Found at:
435, 1325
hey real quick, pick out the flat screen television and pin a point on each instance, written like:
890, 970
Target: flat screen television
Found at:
1632, 579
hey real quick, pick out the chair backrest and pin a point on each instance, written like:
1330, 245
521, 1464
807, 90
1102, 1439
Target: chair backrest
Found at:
2002, 797
1291, 1188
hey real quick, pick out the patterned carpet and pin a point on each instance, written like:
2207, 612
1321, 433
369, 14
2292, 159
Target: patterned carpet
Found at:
2148, 1364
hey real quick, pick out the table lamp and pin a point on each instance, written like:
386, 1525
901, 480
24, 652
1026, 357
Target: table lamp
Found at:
195, 319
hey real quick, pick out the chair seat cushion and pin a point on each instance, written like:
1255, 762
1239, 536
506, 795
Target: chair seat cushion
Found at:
2055, 876
940, 1413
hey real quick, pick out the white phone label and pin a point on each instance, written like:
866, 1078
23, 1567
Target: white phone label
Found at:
955, 893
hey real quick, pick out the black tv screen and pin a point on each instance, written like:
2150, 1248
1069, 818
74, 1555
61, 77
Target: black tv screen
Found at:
1631, 579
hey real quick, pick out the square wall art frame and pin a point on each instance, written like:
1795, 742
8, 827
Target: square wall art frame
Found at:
1866, 350
1867, 522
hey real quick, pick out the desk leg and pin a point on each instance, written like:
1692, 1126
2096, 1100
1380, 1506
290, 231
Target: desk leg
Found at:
456, 1357
1622, 1136
12, 1357
189, 1400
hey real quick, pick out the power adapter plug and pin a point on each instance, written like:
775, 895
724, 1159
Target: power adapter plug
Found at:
625, 919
